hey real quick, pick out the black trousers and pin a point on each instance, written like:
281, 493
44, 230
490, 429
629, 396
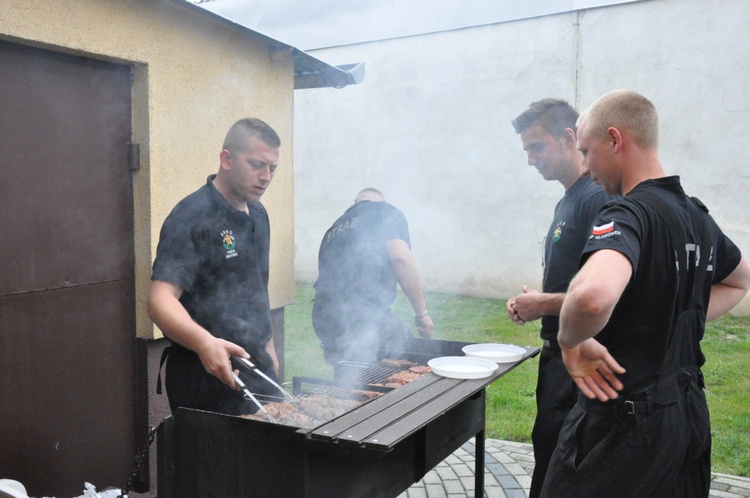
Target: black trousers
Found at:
356, 331
556, 395
190, 386
662, 451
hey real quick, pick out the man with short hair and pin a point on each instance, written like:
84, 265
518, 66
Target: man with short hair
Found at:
656, 267
209, 289
548, 137
362, 258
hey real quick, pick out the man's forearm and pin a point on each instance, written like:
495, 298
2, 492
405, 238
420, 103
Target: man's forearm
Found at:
728, 293
592, 296
550, 303
407, 275
166, 311
412, 287
576, 324
532, 304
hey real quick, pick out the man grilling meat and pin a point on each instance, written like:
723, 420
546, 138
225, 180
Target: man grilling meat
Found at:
362, 258
209, 288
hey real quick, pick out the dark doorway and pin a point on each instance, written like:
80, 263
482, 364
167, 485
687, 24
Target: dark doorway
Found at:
67, 304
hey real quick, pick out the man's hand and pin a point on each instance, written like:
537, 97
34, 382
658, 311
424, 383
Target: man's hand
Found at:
510, 308
532, 304
165, 309
424, 325
528, 304
593, 369
215, 354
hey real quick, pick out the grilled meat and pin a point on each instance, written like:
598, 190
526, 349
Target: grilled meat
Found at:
420, 369
309, 412
392, 362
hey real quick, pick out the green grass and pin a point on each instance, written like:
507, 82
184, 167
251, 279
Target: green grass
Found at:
510, 400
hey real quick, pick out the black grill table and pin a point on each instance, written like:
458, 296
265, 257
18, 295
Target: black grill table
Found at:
377, 449
423, 404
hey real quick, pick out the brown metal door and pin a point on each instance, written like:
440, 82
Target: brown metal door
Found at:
67, 326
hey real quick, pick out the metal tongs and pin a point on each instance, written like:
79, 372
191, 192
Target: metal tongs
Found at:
249, 364
249, 395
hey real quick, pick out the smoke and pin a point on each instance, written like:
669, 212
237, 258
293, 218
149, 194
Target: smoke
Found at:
357, 285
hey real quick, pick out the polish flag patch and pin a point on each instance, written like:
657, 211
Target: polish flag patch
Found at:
602, 229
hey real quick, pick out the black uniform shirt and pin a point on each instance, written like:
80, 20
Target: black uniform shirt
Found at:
637, 331
353, 263
219, 256
574, 216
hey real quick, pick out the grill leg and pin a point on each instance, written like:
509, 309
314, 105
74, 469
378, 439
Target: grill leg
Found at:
479, 470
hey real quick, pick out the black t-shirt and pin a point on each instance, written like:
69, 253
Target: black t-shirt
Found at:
574, 216
637, 332
219, 257
353, 263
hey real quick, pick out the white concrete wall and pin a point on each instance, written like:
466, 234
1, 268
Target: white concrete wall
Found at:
430, 126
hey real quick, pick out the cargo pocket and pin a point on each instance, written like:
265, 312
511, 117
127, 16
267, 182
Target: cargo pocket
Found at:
595, 434
699, 422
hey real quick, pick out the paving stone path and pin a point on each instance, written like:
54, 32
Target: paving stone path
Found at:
508, 469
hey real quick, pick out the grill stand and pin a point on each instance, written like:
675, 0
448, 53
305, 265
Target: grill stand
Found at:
378, 449
479, 465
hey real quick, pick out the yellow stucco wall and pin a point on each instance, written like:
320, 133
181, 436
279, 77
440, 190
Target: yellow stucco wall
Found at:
192, 78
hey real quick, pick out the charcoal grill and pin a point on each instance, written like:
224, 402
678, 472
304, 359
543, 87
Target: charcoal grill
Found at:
377, 449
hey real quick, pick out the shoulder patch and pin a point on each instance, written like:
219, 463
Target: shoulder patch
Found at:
603, 229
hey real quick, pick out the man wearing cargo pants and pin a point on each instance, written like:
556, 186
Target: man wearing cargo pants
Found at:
548, 136
656, 267
363, 257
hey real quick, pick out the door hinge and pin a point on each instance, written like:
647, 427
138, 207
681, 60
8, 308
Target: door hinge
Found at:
134, 157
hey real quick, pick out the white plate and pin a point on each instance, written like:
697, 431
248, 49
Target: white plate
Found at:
499, 353
12, 489
462, 367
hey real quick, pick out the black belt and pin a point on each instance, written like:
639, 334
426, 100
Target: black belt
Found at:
630, 407
660, 396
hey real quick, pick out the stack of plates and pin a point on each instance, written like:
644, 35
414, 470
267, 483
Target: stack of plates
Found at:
480, 361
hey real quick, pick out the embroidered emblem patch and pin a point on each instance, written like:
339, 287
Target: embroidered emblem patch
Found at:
227, 240
556, 236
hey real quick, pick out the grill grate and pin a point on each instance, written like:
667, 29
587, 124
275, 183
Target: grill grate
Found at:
305, 386
365, 373
358, 377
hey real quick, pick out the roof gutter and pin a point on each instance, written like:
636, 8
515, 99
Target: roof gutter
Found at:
309, 71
